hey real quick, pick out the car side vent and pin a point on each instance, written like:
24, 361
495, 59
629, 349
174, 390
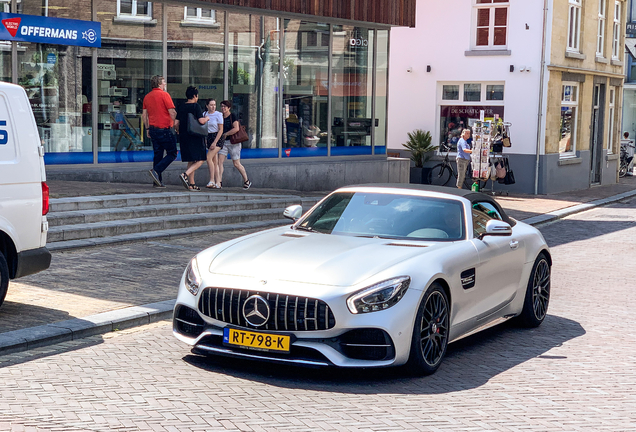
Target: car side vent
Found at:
407, 245
292, 235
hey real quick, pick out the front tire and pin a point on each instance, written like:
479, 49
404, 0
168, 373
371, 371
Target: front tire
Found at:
430, 332
622, 171
4, 278
535, 306
439, 175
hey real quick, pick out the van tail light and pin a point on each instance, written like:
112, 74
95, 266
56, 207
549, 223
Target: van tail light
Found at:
45, 198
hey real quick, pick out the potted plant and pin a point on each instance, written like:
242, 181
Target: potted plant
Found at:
419, 144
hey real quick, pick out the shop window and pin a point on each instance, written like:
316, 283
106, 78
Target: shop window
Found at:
199, 15
253, 65
381, 76
616, 47
491, 29
472, 92
569, 114
495, 92
129, 57
450, 92
610, 132
134, 10
351, 102
466, 110
574, 25
57, 81
600, 39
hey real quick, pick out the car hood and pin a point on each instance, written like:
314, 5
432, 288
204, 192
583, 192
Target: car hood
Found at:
315, 258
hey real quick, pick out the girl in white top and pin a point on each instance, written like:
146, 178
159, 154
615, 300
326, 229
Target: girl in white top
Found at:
214, 143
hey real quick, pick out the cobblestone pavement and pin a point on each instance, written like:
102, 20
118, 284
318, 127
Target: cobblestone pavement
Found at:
90, 281
577, 372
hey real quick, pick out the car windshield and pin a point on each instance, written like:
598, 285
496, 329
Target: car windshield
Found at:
388, 216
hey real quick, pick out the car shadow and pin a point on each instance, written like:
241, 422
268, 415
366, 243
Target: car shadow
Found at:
599, 224
469, 363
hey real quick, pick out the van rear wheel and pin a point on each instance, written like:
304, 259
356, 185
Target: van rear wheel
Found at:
4, 278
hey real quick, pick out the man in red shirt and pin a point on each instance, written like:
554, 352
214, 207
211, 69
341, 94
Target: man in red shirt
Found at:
158, 115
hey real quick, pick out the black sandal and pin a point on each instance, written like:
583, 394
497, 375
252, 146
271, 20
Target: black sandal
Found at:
194, 188
184, 180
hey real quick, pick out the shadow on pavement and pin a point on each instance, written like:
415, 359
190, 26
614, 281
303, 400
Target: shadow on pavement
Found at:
469, 363
573, 230
16, 315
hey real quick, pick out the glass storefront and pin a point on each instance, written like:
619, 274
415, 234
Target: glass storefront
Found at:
351, 95
306, 88
300, 88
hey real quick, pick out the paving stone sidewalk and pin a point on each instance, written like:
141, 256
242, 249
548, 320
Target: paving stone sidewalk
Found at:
101, 289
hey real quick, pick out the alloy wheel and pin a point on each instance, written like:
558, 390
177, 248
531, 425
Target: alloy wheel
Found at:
541, 289
434, 328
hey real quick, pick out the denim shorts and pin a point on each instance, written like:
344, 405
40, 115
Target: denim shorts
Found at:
232, 151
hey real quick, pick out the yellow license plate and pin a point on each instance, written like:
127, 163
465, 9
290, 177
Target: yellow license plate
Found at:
256, 340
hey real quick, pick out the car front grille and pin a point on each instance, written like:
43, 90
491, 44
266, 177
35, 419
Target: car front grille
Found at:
287, 313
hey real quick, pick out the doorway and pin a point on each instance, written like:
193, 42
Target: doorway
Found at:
598, 114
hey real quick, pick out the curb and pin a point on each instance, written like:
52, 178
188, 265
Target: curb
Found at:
77, 328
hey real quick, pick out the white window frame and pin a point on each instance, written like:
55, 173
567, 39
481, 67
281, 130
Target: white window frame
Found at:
574, 26
600, 38
612, 111
616, 48
133, 16
574, 128
491, 25
460, 102
199, 18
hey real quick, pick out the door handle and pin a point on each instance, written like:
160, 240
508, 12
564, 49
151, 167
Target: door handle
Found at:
514, 244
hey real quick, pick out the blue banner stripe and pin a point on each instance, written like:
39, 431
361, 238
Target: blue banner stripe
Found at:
59, 31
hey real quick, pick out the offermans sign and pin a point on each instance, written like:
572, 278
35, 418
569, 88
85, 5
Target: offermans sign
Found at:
59, 31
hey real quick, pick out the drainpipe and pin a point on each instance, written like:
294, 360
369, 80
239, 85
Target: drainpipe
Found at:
540, 117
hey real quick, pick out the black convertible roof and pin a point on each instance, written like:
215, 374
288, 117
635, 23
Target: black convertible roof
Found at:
472, 196
429, 188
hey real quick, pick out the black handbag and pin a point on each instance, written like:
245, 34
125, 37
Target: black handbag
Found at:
510, 175
195, 128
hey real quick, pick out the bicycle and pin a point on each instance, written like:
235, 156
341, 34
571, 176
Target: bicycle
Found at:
441, 173
624, 161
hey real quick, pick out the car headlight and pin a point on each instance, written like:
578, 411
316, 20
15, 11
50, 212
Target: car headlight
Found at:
193, 277
380, 296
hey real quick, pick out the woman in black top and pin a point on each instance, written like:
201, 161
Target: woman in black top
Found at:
192, 146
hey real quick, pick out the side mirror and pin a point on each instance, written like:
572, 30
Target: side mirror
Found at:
293, 212
497, 228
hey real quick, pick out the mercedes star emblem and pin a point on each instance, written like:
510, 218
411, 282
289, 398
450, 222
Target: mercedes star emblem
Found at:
256, 310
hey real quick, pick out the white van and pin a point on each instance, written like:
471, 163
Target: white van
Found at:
24, 195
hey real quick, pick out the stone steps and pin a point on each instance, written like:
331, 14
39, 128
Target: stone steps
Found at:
98, 220
145, 211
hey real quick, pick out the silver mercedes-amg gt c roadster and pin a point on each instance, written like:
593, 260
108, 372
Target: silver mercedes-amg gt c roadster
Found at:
371, 276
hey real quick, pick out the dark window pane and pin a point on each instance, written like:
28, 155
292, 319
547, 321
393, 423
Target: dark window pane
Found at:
483, 17
191, 12
142, 8
484, 1
312, 39
500, 36
495, 92
324, 39
482, 36
206, 13
472, 92
125, 7
450, 92
501, 16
